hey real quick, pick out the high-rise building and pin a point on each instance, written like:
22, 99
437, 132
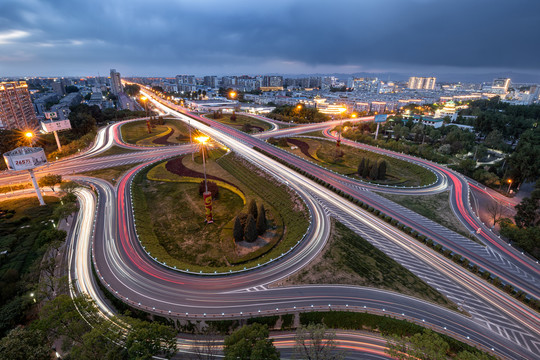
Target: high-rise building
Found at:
422, 83
16, 109
211, 81
272, 81
116, 82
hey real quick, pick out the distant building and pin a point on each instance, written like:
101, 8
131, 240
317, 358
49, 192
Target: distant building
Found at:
62, 108
186, 83
421, 83
210, 81
449, 110
16, 109
40, 104
500, 86
272, 81
116, 82
58, 88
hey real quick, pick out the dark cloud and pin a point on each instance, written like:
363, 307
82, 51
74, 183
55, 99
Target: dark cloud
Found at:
214, 36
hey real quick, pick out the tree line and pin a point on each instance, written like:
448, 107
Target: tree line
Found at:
374, 170
249, 226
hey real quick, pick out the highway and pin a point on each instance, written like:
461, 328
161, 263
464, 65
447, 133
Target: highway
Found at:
354, 213
498, 321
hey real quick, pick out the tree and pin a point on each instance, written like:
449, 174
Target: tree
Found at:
233, 116
50, 180
71, 89
25, 344
63, 211
102, 342
250, 343
316, 342
253, 208
238, 230
426, 346
68, 187
361, 167
467, 355
528, 212
206, 345
367, 166
373, 171
496, 211
147, 339
261, 220
132, 90
250, 231
494, 140
381, 170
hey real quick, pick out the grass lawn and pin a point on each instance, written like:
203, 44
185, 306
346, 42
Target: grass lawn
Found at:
116, 150
178, 235
435, 207
398, 172
349, 259
136, 132
111, 174
253, 125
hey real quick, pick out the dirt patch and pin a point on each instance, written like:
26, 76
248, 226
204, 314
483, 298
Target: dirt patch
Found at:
303, 146
176, 166
163, 140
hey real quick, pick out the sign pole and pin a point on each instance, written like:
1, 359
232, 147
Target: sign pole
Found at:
36, 187
57, 140
377, 132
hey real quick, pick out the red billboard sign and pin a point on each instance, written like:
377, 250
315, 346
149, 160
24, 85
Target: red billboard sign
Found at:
207, 196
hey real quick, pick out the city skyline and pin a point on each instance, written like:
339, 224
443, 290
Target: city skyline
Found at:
420, 37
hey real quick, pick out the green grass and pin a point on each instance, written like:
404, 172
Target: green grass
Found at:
137, 131
111, 174
399, 172
241, 120
116, 150
435, 207
169, 233
349, 259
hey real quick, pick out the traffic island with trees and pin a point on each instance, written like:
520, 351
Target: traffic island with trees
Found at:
297, 114
357, 163
240, 122
162, 132
270, 217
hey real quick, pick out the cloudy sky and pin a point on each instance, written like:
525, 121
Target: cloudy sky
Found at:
169, 37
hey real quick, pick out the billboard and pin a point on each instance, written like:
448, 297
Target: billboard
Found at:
208, 206
58, 125
380, 118
25, 158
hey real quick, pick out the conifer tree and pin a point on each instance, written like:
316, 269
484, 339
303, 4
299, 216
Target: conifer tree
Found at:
250, 232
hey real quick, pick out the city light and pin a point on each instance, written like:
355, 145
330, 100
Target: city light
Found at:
202, 139
232, 94
29, 135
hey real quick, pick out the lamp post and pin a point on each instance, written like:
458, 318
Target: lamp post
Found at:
509, 185
145, 100
207, 196
341, 111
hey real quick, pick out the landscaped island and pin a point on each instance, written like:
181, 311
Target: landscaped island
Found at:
177, 233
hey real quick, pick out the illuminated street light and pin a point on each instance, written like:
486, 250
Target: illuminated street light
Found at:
232, 94
299, 107
144, 100
509, 185
354, 115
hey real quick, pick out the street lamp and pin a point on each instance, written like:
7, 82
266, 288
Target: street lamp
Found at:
30, 137
144, 100
207, 196
509, 185
341, 111
232, 94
